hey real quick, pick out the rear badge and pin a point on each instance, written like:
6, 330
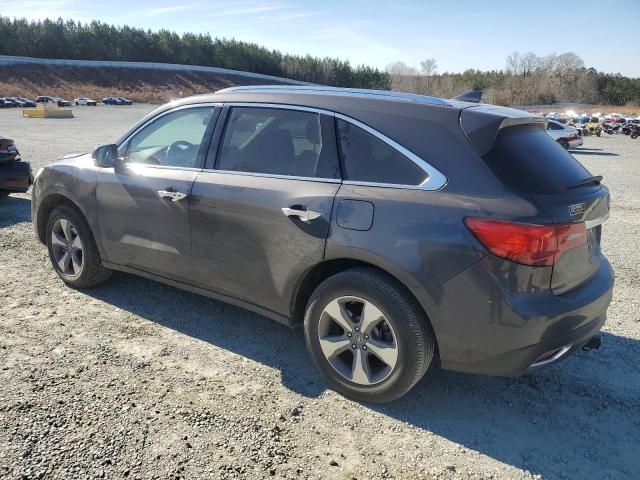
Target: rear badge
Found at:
576, 209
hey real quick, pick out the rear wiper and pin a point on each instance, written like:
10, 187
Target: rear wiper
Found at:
587, 181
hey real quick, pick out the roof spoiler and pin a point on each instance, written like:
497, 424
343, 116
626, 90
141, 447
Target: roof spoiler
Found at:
473, 96
482, 123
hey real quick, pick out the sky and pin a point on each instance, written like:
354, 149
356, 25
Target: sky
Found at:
459, 34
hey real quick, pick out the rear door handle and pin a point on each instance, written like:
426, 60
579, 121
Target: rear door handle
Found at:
172, 195
305, 215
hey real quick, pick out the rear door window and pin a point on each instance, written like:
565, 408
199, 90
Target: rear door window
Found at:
366, 158
527, 159
279, 142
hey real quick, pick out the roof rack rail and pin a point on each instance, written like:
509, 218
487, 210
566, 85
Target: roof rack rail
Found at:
322, 90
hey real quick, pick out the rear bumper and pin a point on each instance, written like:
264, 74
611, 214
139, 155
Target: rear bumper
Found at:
496, 331
15, 176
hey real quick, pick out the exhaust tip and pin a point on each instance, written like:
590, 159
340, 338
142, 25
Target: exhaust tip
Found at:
551, 356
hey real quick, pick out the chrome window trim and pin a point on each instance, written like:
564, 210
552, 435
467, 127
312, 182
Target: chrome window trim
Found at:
435, 179
596, 221
273, 175
163, 167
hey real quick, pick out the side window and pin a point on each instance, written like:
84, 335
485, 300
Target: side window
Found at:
279, 142
553, 126
366, 158
172, 140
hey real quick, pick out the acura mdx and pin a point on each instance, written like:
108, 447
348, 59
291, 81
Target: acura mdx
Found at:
398, 230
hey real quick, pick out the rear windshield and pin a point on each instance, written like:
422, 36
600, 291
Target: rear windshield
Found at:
529, 160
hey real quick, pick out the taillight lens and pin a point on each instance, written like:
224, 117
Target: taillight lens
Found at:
529, 244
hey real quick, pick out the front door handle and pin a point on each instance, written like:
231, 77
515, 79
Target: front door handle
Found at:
172, 195
305, 215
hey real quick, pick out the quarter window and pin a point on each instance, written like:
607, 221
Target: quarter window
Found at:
278, 142
366, 158
172, 140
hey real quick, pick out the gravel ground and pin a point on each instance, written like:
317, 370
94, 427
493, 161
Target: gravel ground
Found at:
138, 380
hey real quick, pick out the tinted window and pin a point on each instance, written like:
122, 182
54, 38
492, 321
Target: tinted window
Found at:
278, 142
554, 126
173, 139
366, 158
527, 159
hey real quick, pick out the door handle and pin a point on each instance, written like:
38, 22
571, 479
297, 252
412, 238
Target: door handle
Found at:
172, 195
305, 215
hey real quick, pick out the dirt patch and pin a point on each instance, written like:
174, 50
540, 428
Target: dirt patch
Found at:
139, 85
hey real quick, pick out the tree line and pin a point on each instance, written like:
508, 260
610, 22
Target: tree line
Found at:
101, 41
527, 79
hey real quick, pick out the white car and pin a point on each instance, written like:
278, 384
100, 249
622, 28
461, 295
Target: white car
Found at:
566, 136
85, 101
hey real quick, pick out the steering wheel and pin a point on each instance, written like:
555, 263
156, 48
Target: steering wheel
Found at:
181, 152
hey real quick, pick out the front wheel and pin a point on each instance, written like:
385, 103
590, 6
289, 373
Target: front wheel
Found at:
367, 335
73, 251
564, 143
634, 135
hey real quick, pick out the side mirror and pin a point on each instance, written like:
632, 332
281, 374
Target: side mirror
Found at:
105, 156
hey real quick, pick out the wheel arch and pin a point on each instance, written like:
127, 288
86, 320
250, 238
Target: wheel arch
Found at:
327, 268
48, 203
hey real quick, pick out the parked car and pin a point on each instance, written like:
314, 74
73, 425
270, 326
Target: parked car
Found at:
85, 101
61, 102
568, 137
125, 101
7, 102
15, 174
22, 102
112, 101
399, 230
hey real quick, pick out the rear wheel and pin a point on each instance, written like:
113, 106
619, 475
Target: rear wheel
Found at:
367, 336
73, 251
634, 135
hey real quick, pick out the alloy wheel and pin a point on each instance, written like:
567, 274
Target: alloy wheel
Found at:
66, 248
357, 340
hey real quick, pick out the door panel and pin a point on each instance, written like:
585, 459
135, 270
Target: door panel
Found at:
141, 228
243, 244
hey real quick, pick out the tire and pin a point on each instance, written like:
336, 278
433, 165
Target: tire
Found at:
598, 133
564, 143
60, 240
4, 193
634, 135
403, 332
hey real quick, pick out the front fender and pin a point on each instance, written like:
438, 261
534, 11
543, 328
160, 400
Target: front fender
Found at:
55, 185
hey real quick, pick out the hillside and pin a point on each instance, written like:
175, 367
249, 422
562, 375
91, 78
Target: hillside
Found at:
140, 85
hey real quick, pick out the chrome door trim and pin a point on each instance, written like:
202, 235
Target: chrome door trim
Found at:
596, 221
435, 179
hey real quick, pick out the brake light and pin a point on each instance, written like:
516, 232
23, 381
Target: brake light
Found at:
529, 244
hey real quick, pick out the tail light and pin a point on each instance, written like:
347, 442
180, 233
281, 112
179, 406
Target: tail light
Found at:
529, 244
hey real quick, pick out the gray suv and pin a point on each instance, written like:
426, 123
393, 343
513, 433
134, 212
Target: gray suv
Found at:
399, 230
